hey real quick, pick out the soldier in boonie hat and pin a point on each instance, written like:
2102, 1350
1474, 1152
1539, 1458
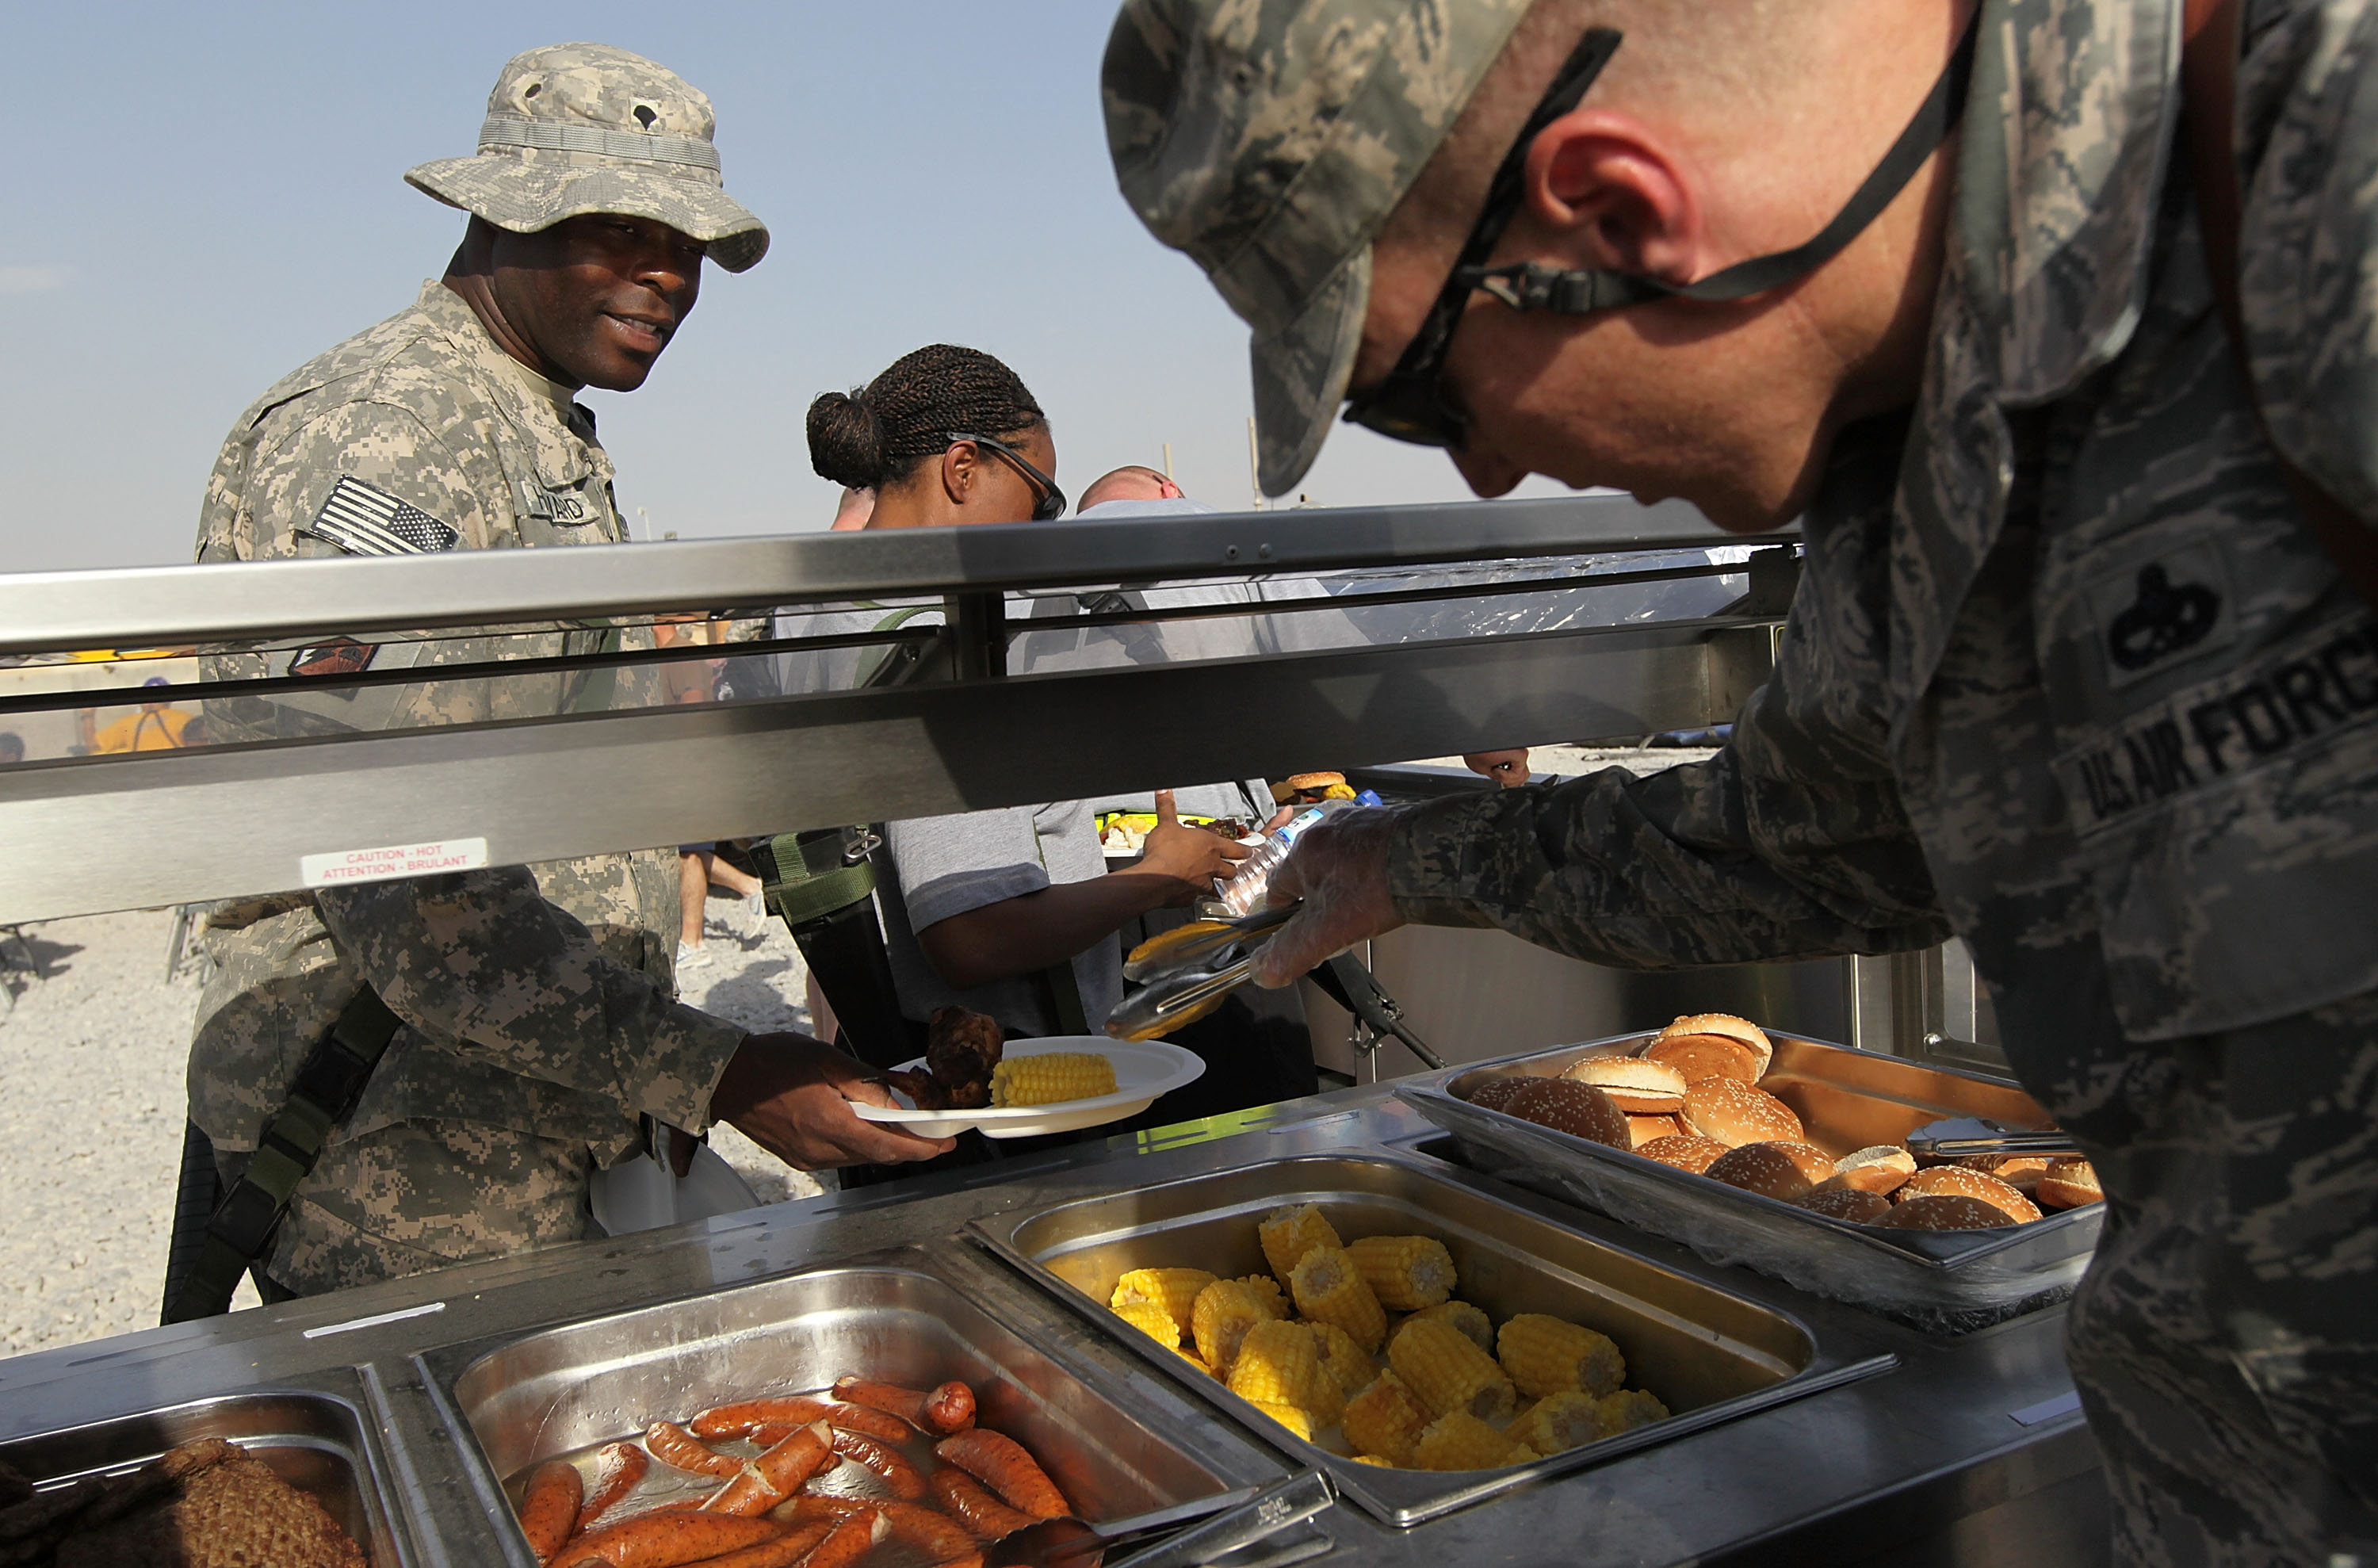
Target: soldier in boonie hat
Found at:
574, 128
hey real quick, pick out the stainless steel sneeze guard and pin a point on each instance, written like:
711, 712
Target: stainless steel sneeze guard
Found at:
319, 1442
1943, 1281
90, 834
1710, 1354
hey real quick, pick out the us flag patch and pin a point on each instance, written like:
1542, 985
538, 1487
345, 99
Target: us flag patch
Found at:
365, 519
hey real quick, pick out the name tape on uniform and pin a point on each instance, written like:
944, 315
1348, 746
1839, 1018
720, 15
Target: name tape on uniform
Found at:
342, 866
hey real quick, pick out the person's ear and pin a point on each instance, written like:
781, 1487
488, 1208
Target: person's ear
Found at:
1615, 193
959, 466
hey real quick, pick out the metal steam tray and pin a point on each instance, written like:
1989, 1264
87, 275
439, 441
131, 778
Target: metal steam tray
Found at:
321, 1443
561, 1391
1710, 1354
1938, 1281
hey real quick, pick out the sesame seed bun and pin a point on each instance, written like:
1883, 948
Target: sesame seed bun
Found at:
1881, 1169
1749, 1034
1579, 1109
1686, 1153
1947, 1180
1944, 1210
1651, 1130
1640, 1088
1734, 1114
1697, 1057
1785, 1170
1845, 1203
2069, 1184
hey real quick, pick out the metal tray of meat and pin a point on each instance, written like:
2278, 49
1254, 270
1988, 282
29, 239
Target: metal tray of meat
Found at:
321, 1442
1942, 1282
562, 1393
1710, 1354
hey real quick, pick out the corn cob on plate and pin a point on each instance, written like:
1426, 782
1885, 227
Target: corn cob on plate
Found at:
1143, 1069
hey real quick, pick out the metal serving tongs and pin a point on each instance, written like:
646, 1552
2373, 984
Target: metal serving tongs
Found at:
1200, 942
1963, 1137
1067, 1542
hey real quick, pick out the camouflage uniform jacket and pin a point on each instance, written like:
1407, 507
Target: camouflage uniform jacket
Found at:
2067, 672
539, 999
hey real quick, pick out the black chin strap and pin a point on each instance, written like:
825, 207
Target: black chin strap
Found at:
1531, 285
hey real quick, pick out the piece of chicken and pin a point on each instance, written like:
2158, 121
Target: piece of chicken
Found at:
961, 1048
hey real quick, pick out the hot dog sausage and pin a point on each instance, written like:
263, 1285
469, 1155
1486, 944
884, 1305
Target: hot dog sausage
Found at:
746, 1419
762, 1483
787, 1550
673, 1445
898, 1471
549, 1509
946, 1410
622, 1466
1000, 1463
668, 1537
932, 1534
961, 1495
849, 1540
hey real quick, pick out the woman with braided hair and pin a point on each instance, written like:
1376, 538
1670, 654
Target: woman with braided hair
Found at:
1009, 913
945, 435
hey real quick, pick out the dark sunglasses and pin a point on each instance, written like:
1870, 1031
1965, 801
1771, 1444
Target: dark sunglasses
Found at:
1051, 503
1413, 405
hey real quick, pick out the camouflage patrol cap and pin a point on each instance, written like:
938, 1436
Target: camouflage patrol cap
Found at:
1269, 140
573, 128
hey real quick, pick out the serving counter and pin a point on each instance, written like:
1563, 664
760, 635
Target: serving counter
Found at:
1877, 1443
1804, 1428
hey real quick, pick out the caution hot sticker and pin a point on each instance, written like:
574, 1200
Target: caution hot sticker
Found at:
396, 860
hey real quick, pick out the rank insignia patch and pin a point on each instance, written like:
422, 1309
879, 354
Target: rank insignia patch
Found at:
2163, 613
365, 519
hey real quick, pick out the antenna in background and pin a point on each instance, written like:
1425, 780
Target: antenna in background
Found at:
1255, 469
1168, 460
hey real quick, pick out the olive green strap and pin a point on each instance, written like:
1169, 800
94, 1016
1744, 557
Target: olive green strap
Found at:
810, 880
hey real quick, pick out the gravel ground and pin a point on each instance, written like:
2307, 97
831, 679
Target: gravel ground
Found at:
92, 1054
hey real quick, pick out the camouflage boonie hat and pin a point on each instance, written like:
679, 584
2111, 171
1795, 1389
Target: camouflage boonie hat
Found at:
573, 128
1269, 140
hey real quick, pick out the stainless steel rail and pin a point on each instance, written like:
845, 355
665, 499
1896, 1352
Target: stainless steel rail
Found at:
169, 606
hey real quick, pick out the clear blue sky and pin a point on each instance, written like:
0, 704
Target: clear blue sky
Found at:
198, 199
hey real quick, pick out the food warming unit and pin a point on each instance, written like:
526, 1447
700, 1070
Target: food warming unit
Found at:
1808, 1427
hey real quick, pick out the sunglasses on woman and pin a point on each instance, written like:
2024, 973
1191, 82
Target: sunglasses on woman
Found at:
1050, 503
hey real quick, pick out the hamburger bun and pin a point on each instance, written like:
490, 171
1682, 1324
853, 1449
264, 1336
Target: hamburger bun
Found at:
1697, 1057
1649, 1130
1749, 1034
1312, 786
1849, 1203
1783, 1171
2021, 1171
1496, 1092
1880, 1169
1944, 1211
1579, 1109
1957, 1181
1686, 1152
2069, 1184
1640, 1088
1734, 1114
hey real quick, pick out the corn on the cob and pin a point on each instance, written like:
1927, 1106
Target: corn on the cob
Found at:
1279, 1364
1225, 1311
1458, 1441
1544, 1355
1150, 1319
1342, 1358
1328, 1289
1051, 1076
1287, 1416
1437, 1362
1558, 1421
1386, 1419
1193, 1361
1175, 1290
1268, 1295
1374, 1459
1473, 1322
1627, 1409
1406, 1272
1289, 1233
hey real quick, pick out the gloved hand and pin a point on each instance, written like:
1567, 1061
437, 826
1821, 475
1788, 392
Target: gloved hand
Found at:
1340, 870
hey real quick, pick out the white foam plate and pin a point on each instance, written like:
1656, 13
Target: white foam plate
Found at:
1144, 1070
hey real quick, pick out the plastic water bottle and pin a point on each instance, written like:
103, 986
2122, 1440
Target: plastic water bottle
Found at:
1244, 893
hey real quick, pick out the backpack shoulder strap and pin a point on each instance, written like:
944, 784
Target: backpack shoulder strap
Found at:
2208, 74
